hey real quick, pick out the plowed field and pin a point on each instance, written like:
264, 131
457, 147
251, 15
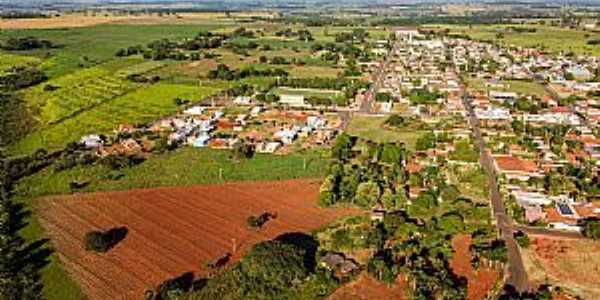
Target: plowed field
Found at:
172, 231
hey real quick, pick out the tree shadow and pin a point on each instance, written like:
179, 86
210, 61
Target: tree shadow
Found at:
303, 241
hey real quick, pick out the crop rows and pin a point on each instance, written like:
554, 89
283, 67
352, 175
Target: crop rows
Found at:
60, 99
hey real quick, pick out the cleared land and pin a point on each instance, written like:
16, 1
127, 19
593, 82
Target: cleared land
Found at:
173, 230
481, 281
372, 128
571, 264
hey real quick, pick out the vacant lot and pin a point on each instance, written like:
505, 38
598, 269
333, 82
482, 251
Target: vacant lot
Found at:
572, 264
372, 128
480, 281
173, 230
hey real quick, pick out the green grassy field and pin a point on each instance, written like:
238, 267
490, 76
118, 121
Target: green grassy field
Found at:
371, 128
186, 166
143, 105
553, 39
86, 46
8, 61
304, 92
517, 86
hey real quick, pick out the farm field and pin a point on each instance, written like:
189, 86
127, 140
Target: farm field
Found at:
141, 106
479, 282
372, 128
188, 166
571, 264
173, 230
547, 38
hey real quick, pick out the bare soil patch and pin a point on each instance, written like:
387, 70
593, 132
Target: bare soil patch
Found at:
570, 263
368, 288
480, 281
172, 231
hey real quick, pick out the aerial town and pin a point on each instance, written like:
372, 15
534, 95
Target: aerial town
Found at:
195, 151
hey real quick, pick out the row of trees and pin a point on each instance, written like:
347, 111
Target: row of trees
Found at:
20, 261
223, 72
25, 43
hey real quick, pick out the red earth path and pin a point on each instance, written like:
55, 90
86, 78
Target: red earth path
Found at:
172, 231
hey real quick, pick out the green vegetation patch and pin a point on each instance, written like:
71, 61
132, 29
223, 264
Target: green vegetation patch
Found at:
373, 128
141, 106
8, 61
62, 98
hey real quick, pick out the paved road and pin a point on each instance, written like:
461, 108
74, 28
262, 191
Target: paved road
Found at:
377, 77
517, 274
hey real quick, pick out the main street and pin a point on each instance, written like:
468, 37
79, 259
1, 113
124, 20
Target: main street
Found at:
517, 276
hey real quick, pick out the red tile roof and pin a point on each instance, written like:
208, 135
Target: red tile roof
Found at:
512, 163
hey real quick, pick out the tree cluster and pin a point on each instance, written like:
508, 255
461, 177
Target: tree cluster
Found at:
365, 177
223, 72
25, 43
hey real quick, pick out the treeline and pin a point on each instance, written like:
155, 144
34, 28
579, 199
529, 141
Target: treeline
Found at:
20, 261
21, 77
223, 72
301, 34
26, 43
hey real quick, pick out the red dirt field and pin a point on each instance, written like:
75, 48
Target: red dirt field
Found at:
173, 230
479, 282
367, 288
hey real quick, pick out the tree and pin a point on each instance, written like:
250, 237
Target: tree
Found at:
367, 194
426, 141
342, 147
591, 228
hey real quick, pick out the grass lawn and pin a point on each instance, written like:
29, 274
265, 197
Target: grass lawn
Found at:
186, 166
371, 128
140, 106
548, 38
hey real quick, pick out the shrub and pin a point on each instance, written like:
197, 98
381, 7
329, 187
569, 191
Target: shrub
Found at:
101, 242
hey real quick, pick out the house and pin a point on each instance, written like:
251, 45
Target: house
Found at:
242, 100
503, 96
267, 147
292, 100
92, 141
531, 198
515, 168
201, 140
338, 263
194, 110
